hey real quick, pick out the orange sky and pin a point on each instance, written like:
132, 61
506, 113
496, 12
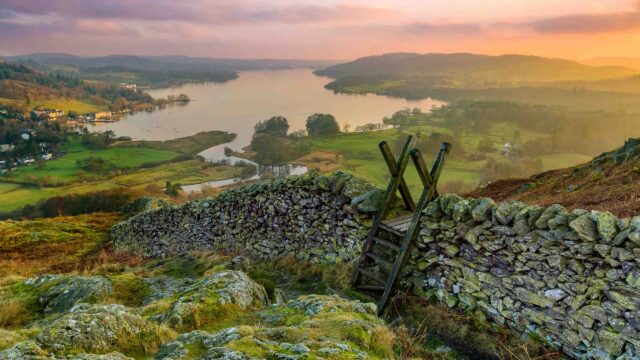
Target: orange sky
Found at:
330, 29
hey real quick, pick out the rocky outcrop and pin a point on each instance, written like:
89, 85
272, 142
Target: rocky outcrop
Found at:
101, 332
571, 278
306, 328
60, 293
206, 297
101, 329
311, 217
309, 327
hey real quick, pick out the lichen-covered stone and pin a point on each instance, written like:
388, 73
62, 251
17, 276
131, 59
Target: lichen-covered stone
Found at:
192, 306
101, 329
585, 227
606, 224
61, 293
311, 326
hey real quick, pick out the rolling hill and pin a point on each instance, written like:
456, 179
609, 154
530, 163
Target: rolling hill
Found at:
474, 68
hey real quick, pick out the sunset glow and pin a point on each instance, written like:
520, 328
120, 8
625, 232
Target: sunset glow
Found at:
321, 30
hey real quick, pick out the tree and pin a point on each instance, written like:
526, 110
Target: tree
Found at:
172, 189
277, 125
322, 125
486, 146
271, 149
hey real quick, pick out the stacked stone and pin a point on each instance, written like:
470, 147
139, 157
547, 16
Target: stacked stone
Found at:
571, 278
311, 217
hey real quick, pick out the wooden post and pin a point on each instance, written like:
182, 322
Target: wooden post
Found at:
396, 177
429, 181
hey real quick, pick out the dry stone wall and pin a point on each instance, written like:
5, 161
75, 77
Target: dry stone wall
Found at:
312, 217
569, 277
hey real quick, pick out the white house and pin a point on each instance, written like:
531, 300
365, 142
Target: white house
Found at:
25, 136
47, 156
7, 147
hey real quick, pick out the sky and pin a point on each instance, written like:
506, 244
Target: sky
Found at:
328, 29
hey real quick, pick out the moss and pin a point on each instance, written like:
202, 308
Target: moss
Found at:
196, 350
129, 289
249, 347
157, 307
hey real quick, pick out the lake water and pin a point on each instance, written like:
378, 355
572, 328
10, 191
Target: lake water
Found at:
236, 106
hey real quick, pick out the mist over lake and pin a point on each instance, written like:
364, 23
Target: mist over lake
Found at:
236, 106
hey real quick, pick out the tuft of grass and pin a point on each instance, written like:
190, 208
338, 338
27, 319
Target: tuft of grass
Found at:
14, 312
9, 338
19, 304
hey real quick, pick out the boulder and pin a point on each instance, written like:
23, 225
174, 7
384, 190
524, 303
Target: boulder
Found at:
102, 329
200, 301
61, 293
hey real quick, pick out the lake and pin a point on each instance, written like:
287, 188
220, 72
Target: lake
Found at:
236, 106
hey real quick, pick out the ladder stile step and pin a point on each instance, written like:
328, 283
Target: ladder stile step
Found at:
387, 244
380, 260
391, 230
373, 276
403, 229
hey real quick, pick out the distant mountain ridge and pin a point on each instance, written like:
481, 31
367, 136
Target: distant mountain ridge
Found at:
164, 63
462, 66
630, 62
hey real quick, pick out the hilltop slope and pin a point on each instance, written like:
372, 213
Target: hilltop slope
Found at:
502, 68
22, 85
609, 182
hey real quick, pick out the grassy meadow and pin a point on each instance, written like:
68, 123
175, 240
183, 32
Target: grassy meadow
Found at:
67, 169
358, 153
141, 166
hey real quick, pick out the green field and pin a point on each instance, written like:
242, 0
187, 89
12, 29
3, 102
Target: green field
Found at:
13, 196
360, 154
144, 166
65, 170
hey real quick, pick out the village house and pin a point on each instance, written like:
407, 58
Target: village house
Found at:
7, 147
51, 114
102, 115
129, 86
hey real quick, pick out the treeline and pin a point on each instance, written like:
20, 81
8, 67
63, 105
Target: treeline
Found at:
76, 204
153, 78
568, 130
273, 145
417, 88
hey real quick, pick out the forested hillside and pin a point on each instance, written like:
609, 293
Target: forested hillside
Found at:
516, 78
472, 68
21, 85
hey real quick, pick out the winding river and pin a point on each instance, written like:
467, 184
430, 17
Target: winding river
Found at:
236, 106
